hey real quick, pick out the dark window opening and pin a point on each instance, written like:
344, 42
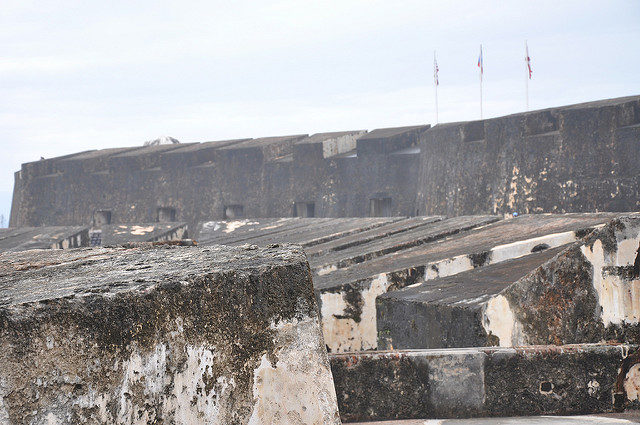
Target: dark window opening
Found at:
95, 238
233, 211
380, 207
304, 209
166, 214
101, 217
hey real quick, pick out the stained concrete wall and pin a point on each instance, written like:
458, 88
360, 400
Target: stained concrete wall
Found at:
337, 172
458, 383
143, 334
578, 292
572, 159
577, 158
589, 292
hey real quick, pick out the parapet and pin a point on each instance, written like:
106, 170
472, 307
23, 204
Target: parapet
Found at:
388, 140
161, 334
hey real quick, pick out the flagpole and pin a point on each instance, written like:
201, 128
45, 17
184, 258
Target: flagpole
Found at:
481, 70
526, 73
435, 82
481, 95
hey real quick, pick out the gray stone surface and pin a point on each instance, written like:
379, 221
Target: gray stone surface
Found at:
576, 158
149, 334
582, 291
567, 159
459, 383
448, 312
355, 260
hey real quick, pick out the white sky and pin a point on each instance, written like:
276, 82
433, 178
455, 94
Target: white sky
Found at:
77, 75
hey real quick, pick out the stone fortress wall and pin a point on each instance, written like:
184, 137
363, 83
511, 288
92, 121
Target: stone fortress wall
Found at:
567, 159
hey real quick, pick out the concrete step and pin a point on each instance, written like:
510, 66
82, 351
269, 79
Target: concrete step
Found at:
117, 234
45, 237
480, 382
304, 231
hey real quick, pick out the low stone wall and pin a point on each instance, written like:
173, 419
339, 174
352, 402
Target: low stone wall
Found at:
168, 334
468, 382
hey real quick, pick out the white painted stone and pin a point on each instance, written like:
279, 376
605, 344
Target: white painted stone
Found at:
345, 334
519, 249
632, 383
619, 299
497, 254
326, 270
298, 389
341, 144
498, 320
448, 267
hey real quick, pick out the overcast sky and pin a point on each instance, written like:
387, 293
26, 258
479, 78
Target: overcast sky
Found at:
78, 75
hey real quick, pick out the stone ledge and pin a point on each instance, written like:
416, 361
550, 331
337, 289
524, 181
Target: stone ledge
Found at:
475, 382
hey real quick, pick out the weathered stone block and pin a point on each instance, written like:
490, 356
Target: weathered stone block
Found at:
467, 382
162, 334
584, 291
588, 293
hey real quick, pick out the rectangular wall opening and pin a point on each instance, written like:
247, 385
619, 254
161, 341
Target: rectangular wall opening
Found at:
101, 217
166, 214
233, 211
380, 207
304, 209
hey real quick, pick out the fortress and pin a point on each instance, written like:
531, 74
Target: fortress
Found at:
472, 269
579, 158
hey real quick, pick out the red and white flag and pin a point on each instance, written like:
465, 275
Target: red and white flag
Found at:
436, 81
527, 59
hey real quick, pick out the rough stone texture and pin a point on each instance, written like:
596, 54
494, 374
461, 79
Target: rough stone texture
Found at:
578, 158
347, 306
448, 312
51, 237
265, 176
64, 237
540, 380
162, 334
600, 419
355, 260
584, 291
589, 292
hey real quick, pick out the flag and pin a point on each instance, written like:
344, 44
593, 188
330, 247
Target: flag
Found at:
480, 65
527, 59
436, 81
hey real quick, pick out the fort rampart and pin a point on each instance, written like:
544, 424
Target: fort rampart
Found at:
567, 159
